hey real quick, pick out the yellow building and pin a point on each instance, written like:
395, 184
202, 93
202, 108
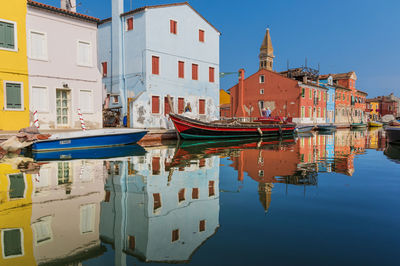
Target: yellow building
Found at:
14, 89
373, 108
224, 97
15, 217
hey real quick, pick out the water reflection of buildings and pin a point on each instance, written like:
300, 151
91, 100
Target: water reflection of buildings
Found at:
159, 212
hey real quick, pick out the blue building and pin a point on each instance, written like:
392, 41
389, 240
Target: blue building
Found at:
155, 51
330, 100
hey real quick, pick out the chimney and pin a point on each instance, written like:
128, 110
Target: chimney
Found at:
240, 94
69, 5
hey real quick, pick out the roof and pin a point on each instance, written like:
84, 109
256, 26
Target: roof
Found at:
347, 75
340, 87
313, 84
266, 45
62, 11
143, 8
363, 92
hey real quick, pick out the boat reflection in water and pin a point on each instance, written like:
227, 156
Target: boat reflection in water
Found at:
392, 151
160, 205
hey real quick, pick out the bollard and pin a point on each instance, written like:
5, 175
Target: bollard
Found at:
35, 119
81, 119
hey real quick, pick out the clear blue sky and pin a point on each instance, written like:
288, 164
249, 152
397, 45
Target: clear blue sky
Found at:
341, 35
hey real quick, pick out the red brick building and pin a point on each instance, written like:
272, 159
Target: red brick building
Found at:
388, 105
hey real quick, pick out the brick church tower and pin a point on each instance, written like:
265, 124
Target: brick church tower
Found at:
266, 53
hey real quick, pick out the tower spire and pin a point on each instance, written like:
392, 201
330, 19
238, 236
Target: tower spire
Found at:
266, 52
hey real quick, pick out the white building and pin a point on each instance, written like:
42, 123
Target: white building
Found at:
155, 51
62, 63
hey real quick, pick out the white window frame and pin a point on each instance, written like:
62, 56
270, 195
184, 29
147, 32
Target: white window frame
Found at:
15, 36
22, 243
9, 186
91, 111
46, 56
261, 77
261, 91
91, 53
5, 95
45, 221
159, 104
92, 206
44, 110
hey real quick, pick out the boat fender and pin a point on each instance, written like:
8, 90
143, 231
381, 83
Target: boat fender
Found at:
259, 131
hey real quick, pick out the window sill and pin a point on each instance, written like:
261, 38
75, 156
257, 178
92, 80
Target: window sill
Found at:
87, 66
39, 59
10, 50
16, 110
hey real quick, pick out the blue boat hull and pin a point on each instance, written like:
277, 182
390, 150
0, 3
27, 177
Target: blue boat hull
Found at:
88, 142
93, 153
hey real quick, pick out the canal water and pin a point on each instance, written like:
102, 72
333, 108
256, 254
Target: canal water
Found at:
315, 200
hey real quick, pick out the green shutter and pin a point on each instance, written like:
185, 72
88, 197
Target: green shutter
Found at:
17, 186
2, 34
10, 36
13, 92
12, 242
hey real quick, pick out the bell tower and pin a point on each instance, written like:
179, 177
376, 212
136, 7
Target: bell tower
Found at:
266, 53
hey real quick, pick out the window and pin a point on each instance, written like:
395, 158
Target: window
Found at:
42, 230
309, 111
195, 70
303, 92
12, 242
8, 36
108, 196
195, 193
260, 173
302, 111
39, 99
132, 242
211, 74
201, 35
181, 105
262, 79
157, 201
155, 65
202, 162
310, 93
14, 96
202, 106
129, 24
38, 45
155, 104
88, 215
261, 91
173, 26
167, 108
17, 186
64, 172
155, 165
181, 195
86, 101
261, 104
181, 69
202, 225
344, 97
84, 53
211, 191
175, 235
104, 69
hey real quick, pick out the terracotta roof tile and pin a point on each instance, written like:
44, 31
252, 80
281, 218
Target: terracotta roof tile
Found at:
62, 11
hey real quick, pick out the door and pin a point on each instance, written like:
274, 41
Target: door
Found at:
63, 107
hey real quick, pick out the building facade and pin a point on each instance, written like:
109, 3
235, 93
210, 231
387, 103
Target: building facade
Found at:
151, 52
313, 99
330, 99
14, 87
63, 71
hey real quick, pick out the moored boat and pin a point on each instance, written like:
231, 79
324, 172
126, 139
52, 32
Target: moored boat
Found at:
303, 129
393, 134
358, 125
375, 124
326, 127
89, 139
189, 128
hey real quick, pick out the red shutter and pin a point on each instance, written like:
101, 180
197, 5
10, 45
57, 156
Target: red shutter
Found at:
211, 191
181, 195
167, 108
211, 74
157, 201
202, 162
130, 23
155, 65
202, 225
132, 243
181, 105
202, 106
195, 193
155, 165
175, 235
201, 35
155, 104
108, 196
181, 69
195, 69
104, 66
173, 26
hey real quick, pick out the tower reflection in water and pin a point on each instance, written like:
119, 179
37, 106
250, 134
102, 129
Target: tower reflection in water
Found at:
157, 207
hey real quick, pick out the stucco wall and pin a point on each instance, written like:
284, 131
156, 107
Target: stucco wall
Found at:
61, 70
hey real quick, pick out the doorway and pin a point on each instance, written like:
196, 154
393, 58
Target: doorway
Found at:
63, 107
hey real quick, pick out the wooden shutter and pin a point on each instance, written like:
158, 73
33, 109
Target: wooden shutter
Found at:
155, 104
195, 193
195, 69
108, 196
155, 66
104, 66
173, 26
181, 195
130, 24
181, 69
211, 191
175, 235
181, 105
211, 74
167, 108
2, 34
157, 201
202, 162
202, 106
201, 35
132, 243
202, 225
155, 165
7, 35
13, 92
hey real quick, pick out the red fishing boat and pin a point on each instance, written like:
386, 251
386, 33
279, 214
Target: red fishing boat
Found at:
195, 129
